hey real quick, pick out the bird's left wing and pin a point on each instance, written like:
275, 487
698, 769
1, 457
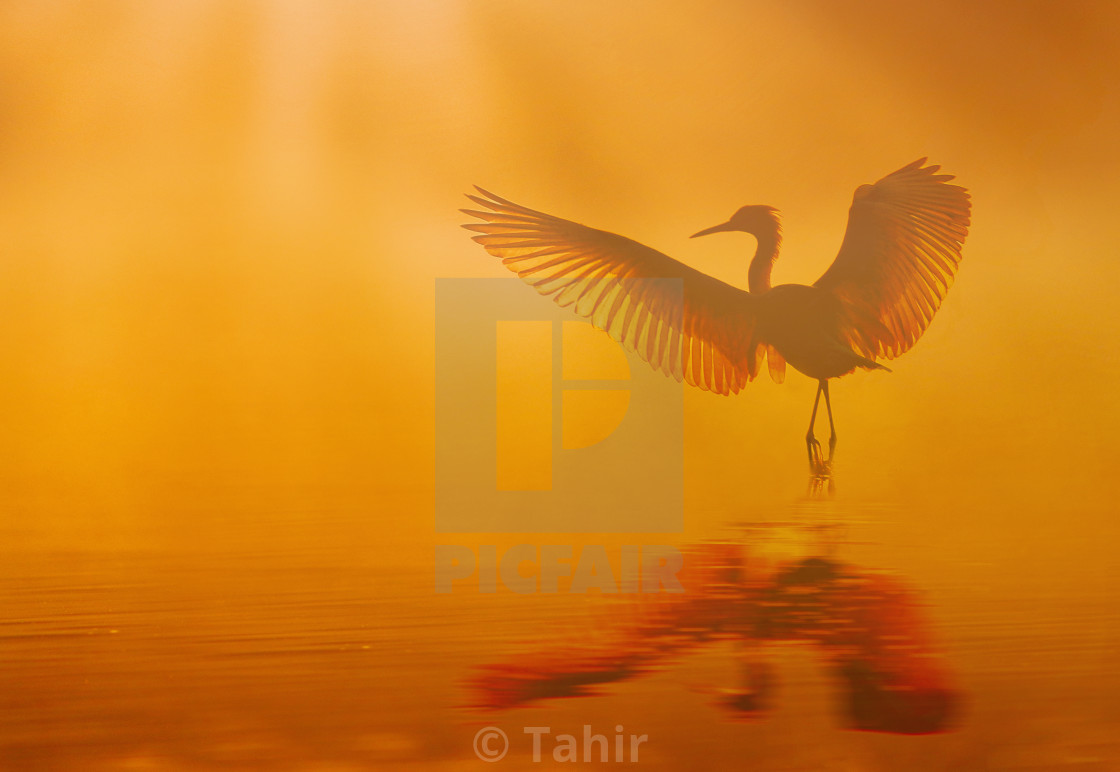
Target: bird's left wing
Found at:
696, 328
898, 258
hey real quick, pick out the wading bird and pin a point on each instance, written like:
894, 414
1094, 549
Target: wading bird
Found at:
897, 260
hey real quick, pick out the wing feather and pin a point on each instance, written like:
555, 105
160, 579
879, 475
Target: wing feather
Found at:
697, 329
899, 257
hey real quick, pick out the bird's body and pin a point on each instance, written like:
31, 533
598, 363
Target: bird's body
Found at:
897, 260
804, 325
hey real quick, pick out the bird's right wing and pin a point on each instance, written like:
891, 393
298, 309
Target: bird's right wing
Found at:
696, 328
898, 258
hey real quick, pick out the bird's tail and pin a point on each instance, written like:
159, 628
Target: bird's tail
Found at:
858, 360
871, 364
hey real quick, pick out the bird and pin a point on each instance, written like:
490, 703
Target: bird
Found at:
897, 261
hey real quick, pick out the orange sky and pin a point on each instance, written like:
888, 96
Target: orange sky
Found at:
222, 224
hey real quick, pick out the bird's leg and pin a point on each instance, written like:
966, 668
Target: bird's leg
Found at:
831, 425
811, 443
752, 693
826, 467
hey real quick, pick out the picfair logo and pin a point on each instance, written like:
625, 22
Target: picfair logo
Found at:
544, 423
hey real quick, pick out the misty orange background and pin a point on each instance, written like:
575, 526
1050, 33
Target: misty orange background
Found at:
222, 223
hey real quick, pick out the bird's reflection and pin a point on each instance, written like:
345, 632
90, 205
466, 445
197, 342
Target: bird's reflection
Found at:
868, 626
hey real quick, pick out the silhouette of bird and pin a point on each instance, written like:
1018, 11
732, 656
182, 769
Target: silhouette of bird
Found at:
896, 263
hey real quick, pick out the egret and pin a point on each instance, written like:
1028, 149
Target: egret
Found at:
898, 258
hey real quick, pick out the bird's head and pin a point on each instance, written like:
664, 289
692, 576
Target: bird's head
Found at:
755, 219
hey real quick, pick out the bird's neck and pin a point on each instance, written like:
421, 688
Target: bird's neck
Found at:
758, 277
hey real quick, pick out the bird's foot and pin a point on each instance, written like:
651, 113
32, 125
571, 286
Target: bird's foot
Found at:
743, 704
816, 455
820, 474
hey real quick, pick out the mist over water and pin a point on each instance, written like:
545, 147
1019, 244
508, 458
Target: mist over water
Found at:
222, 227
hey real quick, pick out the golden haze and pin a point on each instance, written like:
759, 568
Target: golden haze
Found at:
222, 223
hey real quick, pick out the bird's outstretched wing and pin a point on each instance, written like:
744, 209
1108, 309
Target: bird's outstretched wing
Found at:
898, 258
696, 328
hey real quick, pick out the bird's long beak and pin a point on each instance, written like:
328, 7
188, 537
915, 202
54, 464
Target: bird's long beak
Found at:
714, 229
